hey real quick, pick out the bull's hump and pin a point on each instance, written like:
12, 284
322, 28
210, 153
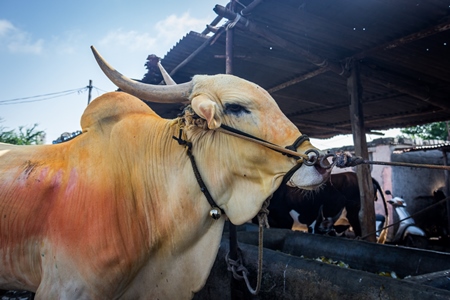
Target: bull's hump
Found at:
111, 107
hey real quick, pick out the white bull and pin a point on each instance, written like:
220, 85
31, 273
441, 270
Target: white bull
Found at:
117, 213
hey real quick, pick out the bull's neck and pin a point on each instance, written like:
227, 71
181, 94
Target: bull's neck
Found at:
174, 204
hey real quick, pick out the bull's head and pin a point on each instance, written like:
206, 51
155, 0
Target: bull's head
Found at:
232, 101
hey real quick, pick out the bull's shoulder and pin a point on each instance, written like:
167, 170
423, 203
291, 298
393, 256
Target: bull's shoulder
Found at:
111, 107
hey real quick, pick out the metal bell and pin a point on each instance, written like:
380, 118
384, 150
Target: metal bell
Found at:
215, 213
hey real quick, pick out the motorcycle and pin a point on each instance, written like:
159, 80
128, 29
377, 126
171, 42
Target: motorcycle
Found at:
408, 233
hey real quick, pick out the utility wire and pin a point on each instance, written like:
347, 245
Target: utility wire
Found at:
99, 90
43, 97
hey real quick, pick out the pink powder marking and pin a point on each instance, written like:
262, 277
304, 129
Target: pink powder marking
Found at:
73, 182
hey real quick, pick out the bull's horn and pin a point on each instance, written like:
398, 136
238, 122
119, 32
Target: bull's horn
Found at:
154, 93
167, 78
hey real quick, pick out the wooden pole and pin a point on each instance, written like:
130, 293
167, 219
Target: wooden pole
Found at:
367, 211
90, 90
229, 49
234, 285
447, 190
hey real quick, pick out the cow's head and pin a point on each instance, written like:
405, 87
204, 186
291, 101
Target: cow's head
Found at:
237, 103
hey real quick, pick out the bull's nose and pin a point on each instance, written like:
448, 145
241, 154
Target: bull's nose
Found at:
318, 160
313, 157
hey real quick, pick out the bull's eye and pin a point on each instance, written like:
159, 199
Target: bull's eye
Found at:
234, 108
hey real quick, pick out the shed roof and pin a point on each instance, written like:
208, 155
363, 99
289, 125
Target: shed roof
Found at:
298, 50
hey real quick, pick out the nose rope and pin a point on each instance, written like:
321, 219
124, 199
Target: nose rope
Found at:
301, 157
345, 159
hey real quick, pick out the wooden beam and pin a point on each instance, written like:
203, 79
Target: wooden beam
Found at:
332, 128
246, 25
298, 79
196, 52
407, 86
367, 211
443, 26
401, 84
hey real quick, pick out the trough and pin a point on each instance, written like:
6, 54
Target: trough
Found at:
293, 268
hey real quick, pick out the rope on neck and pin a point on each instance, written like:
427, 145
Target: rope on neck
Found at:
215, 211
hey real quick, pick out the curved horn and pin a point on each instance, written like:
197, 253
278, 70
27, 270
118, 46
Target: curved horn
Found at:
154, 93
165, 75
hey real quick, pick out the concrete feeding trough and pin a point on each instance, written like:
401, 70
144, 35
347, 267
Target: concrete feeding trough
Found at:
296, 265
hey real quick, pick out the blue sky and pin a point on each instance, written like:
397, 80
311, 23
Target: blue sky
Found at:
45, 49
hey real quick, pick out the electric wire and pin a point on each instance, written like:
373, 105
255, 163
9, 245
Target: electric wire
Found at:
45, 96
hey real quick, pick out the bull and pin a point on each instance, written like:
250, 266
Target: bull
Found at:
119, 211
320, 210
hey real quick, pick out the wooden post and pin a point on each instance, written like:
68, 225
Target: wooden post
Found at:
447, 188
235, 292
367, 211
90, 90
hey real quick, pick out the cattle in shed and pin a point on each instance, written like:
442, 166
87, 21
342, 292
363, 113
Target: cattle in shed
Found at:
339, 194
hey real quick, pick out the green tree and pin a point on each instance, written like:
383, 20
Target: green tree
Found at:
24, 135
431, 131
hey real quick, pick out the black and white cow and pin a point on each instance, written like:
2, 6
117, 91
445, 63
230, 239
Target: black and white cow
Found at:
319, 210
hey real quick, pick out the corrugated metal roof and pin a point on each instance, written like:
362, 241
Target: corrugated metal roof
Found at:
390, 38
443, 146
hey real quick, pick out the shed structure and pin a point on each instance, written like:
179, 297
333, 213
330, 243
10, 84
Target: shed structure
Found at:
301, 52
333, 67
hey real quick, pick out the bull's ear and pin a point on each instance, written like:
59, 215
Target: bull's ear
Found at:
206, 109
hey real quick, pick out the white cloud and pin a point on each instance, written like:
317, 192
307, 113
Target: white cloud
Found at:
132, 40
168, 32
173, 28
68, 44
18, 41
5, 27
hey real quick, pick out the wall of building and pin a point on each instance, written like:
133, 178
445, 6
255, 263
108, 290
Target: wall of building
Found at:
410, 183
415, 185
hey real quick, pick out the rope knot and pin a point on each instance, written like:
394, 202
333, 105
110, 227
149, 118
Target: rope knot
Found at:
236, 266
262, 214
182, 142
345, 159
